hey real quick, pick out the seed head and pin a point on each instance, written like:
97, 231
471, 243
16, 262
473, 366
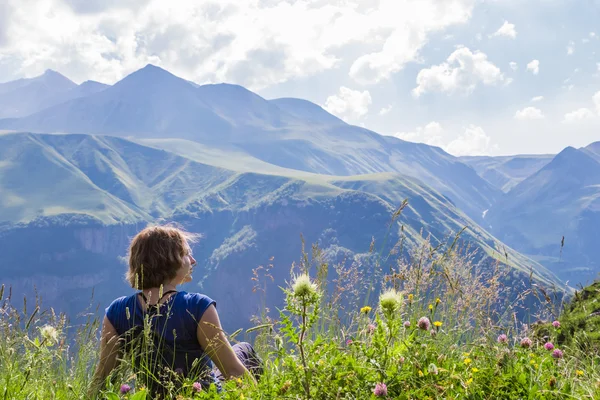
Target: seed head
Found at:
303, 287
390, 301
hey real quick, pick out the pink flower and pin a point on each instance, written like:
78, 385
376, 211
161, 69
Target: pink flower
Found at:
380, 390
371, 328
125, 388
502, 338
424, 323
407, 324
556, 324
401, 360
549, 346
197, 387
526, 343
348, 342
557, 353
432, 332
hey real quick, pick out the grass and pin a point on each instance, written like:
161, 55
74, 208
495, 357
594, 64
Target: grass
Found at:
433, 334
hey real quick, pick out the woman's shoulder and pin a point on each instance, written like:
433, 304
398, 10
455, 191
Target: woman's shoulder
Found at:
196, 303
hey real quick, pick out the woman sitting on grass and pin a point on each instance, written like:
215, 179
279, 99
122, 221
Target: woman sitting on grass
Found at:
171, 335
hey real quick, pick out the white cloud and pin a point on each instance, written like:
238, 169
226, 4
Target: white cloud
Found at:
430, 134
349, 103
537, 99
534, 67
385, 110
513, 65
596, 100
578, 115
255, 43
529, 113
507, 29
592, 34
473, 142
571, 48
462, 71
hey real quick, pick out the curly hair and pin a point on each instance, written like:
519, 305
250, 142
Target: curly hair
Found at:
156, 254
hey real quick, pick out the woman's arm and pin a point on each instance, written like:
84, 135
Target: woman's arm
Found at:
109, 350
214, 342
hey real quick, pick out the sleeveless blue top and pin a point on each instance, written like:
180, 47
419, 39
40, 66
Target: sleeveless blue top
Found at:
175, 324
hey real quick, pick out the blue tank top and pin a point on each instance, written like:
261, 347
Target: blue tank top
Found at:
174, 324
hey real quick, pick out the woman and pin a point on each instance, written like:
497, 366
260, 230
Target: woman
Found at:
170, 334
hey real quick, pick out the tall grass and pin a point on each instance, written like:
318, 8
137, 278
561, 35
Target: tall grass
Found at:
433, 333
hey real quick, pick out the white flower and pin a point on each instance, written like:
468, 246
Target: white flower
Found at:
303, 287
49, 333
390, 301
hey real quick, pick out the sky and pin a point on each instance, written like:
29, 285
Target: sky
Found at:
474, 77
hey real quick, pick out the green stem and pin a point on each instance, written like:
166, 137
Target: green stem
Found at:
301, 346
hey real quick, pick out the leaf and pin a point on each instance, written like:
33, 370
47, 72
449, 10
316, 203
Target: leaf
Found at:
141, 395
112, 396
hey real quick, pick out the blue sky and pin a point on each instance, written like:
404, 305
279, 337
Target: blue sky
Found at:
472, 76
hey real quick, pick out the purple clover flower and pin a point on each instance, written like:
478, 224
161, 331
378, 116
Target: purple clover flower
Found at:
424, 323
125, 388
380, 389
556, 324
557, 353
549, 346
406, 324
502, 338
197, 386
526, 343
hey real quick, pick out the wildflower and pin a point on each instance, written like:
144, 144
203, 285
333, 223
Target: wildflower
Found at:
401, 360
502, 338
532, 362
556, 324
552, 382
437, 301
49, 333
437, 324
285, 387
467, 361
469, 381
348, 342
424, 323
549, 346
406, 324
242, 397
432, 369
557, 353
431, 307
365, 309
303, 287
421, 373
410, 298
474, 370
579, 372
433, 332
526, 343
390, 301
371, 328
380, 389
125, 388
197, 387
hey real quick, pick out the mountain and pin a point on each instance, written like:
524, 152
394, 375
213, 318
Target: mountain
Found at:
561, 199
506, 172
293, 134
26, 96
71, 202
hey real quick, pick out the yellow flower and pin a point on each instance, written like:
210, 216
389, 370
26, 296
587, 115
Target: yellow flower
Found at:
466, 354
532, 362
242, 396
536, 366
437, 324
474, 369
420, 373
467, 361
365, 309
438, 300
531, 355
579, 372
469, 381
431, 306
410, 298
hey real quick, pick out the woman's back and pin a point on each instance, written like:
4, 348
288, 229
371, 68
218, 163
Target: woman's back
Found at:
173, 325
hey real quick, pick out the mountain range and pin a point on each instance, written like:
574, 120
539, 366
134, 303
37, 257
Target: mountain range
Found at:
83, 167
